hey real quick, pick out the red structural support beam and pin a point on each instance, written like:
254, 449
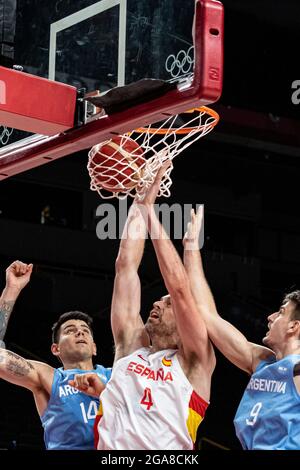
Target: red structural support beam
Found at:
35, 104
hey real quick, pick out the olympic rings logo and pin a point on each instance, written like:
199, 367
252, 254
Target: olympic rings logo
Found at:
181, 64
5, 134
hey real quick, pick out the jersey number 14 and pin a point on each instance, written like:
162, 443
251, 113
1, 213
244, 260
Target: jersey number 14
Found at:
91, 412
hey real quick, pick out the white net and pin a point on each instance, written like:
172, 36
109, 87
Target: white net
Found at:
127, 165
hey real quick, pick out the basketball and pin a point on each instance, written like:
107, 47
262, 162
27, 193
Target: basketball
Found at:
116, 165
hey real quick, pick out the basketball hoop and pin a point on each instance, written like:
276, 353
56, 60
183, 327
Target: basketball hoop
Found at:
159, 144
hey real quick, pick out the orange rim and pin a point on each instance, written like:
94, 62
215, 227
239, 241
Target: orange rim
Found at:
185, 130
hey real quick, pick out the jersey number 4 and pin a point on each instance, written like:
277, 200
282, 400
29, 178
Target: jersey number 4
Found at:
147, 398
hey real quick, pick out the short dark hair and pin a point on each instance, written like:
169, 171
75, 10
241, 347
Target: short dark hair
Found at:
295, 298
73, 315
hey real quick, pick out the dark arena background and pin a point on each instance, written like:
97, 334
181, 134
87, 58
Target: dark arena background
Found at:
246, 172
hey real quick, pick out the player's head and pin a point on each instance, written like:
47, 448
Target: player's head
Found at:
284, 325
161, 322
72, 337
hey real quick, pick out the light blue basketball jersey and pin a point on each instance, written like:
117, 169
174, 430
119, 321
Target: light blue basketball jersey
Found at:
69, 418
268, 417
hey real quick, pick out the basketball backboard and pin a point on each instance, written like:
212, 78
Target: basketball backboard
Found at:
97, 45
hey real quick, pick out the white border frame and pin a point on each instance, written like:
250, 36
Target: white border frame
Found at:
83, 15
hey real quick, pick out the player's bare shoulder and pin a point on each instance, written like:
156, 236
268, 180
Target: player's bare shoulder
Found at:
260, 353
199, 371
45, 375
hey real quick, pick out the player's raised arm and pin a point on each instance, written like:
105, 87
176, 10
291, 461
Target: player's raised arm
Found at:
190, 325
228, 339
17, 277
127, 325
19, 371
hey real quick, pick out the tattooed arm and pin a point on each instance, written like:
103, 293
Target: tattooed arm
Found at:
33, 375
19, 371
17, 277
6, 307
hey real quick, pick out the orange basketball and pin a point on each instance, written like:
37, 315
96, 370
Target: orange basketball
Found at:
116, 165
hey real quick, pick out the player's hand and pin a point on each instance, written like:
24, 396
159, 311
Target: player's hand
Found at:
192, 234
18, 275
152, 192
89, 383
